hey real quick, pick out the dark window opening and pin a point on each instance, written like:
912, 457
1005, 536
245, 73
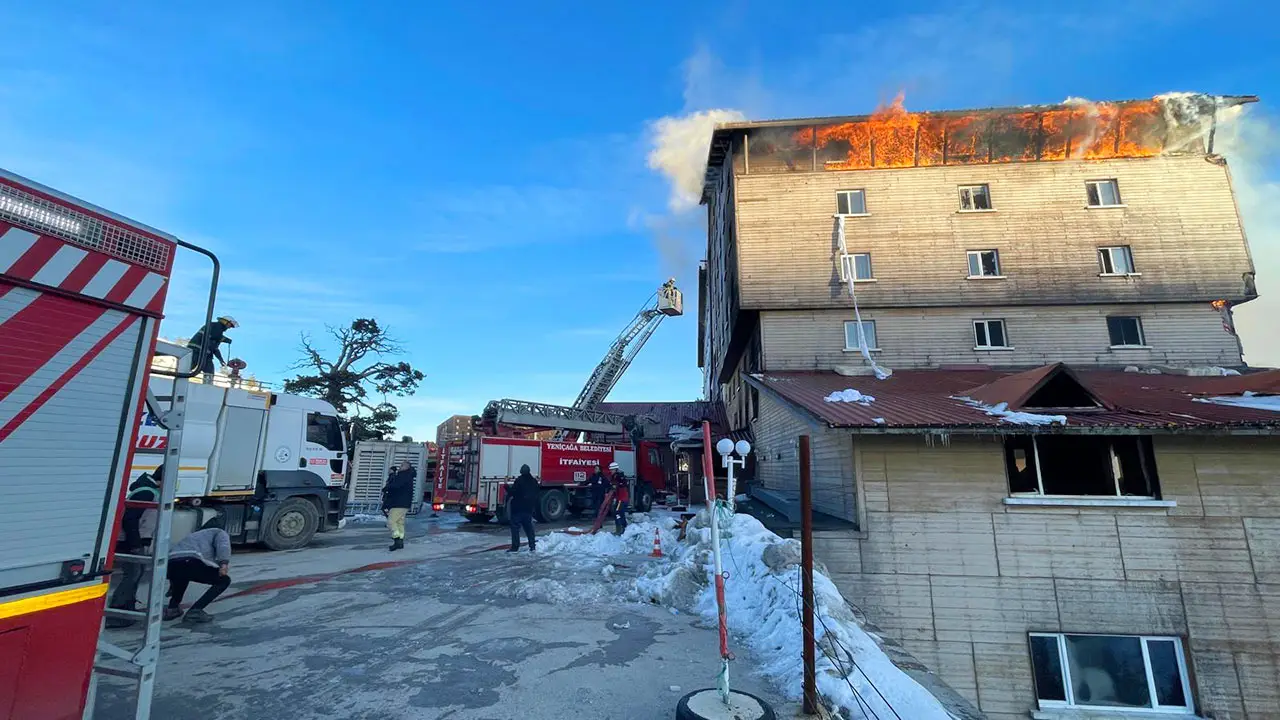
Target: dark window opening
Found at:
1125, 330
323, 430
755, 404
1061, 391
1074, 465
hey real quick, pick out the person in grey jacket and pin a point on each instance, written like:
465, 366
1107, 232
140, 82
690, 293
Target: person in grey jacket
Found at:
202, 557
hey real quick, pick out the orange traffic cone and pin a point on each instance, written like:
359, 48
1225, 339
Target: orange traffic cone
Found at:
657, 545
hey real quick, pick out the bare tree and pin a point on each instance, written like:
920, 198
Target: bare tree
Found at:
359, 370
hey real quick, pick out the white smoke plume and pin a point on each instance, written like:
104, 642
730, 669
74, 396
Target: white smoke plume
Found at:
1251, 143
680, 145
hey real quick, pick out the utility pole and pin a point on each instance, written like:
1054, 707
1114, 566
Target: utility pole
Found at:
806, 580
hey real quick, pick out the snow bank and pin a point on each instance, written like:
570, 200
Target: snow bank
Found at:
358, 519
850, 395
762, 597
1212, 371
1002, 411
1247, 400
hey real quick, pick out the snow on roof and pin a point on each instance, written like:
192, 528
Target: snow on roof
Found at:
849, 395
1002, 411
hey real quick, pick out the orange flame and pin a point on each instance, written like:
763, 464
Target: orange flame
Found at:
891, 137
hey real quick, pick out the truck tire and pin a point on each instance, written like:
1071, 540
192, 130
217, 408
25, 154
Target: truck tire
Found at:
552, 505
706, 705
292, 525
644, 499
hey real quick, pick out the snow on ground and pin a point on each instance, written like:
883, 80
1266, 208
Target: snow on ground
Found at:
850, 395
762, 597
1247, 400
1002, 411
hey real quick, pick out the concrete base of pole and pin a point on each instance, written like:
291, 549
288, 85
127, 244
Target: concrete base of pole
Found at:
707, 705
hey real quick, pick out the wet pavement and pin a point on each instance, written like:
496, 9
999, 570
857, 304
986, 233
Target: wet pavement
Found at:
327, 632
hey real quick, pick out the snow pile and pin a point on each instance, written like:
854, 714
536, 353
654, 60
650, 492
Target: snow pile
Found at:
850, 396
762, 597
681, 434
1002, 411
363, 518
1247, 400
1212, 371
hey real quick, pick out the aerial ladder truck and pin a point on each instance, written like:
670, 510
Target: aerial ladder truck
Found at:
472, 474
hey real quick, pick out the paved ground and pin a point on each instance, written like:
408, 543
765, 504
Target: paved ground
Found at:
436, 638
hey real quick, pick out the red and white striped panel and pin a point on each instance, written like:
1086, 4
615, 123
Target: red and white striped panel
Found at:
49, 261
45, 341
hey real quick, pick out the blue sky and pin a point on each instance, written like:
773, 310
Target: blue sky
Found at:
475, 176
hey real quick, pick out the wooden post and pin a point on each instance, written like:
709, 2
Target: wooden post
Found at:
806, 579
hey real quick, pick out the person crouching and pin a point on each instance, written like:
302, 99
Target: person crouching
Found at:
202, 557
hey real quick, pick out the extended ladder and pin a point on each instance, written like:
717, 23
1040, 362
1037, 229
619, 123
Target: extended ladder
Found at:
141, 661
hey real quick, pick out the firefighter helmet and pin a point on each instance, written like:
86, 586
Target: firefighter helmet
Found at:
228, 321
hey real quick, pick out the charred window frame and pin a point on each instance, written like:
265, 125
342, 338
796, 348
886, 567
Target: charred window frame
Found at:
1121, 466
975, 198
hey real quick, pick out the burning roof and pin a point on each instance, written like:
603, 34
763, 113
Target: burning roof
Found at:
891, 137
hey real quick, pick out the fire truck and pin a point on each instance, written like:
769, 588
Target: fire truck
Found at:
487, 465
81, 295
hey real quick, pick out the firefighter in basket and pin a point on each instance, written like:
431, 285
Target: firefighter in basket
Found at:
210, 337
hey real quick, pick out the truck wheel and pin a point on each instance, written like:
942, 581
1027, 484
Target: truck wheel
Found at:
707, 705
644, 499
552, 505
292, 526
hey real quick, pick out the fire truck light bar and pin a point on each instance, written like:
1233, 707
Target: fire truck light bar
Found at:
47, 217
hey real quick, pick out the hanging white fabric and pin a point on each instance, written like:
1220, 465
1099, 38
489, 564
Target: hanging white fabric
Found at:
849, 273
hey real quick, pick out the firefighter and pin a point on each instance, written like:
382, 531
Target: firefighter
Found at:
212, 335
597, 485
522, 496
145, 489
397, 498
202, 557
621, 495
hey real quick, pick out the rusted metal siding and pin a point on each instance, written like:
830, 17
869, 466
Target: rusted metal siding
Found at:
1179, 217
953, 573
1188, 334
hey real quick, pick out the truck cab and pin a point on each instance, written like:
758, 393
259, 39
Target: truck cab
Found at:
267, 467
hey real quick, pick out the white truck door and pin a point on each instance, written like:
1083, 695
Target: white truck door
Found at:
323, 448
283, 450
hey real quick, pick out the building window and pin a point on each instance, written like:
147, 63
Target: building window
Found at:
857, 266
1103, 193
1111, 671
975, 197
988, 334
1081, 466
1116, 260
1125, 331
851, 202
868, 334
984, 263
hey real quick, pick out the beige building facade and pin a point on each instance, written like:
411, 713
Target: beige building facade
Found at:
1120, 561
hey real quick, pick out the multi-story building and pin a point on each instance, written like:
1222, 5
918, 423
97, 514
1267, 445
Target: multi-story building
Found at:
456, 427
1033, 511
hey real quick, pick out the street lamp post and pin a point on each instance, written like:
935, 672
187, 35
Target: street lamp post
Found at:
727, 448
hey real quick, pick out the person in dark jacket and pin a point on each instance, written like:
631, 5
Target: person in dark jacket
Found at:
211, 336
597, 486
397, 497
522, 497
621, 496
145, 489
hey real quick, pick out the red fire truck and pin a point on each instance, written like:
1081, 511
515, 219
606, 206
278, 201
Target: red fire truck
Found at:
487, 464
81, 294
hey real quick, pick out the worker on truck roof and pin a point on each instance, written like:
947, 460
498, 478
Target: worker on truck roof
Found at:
210, 336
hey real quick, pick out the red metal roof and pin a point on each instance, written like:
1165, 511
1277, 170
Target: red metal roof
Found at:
926, 399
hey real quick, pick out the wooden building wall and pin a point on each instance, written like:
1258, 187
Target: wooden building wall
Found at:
1179, 216
777, 459
960, 578
1181, 335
